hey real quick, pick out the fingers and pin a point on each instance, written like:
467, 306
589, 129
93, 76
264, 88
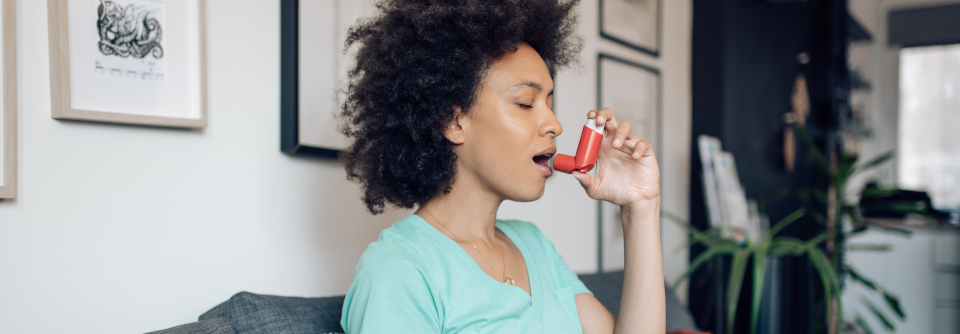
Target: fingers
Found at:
605, 116
586, 180
642, 148
624, 132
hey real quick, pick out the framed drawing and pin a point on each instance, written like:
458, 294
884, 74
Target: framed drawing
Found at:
312, 69
633, 92
8, 100
128, 61
634, 23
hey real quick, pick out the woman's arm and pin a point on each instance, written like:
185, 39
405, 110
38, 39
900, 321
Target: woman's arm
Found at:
642, 306
628, 176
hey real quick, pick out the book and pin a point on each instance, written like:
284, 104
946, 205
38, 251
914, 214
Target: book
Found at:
708, 147
731, 196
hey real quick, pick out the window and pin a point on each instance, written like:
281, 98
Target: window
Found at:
929, 147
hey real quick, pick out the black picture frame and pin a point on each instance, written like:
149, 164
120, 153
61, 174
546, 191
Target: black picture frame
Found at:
657, 141
659, 30
290, 85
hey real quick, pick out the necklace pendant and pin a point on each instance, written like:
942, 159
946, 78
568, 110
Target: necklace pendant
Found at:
509, 281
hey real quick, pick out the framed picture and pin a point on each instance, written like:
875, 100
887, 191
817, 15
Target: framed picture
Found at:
313, 71
129, 61
634, 23
309, 51
8, 100
633, 92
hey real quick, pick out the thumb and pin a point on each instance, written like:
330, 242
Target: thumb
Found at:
586, 180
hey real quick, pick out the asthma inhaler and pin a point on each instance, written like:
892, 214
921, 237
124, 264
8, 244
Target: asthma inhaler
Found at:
586, 158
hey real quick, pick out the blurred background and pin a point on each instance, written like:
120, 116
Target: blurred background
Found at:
810, 174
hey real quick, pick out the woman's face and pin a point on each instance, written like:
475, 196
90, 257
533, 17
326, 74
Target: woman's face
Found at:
506, 138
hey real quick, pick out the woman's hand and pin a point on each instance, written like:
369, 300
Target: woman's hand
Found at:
627, 175
627, 171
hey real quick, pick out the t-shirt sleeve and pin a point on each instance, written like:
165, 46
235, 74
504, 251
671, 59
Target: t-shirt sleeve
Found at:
389, 294
569, 277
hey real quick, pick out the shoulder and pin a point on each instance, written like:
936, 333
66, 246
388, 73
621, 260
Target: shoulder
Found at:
400, 246
392, 285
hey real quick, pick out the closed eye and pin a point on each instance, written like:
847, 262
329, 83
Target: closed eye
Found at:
527, 106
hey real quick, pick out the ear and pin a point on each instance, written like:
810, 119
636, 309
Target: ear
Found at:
455, 130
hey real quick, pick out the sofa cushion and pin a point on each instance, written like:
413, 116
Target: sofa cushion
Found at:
251, 313
608, 288
212, 326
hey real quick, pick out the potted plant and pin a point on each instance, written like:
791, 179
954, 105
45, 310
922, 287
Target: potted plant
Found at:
840, 222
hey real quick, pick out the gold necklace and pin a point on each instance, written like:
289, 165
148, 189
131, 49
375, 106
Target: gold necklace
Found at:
506, 280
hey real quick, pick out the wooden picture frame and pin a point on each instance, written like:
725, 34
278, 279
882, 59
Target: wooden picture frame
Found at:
634, 25
8, 109
127, 84
634, 92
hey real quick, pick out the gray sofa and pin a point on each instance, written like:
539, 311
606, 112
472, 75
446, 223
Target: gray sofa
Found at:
249, 313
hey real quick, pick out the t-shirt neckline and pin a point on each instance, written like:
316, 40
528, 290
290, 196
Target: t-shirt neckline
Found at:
473, 267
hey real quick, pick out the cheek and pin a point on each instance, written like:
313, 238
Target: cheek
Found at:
501, 153
505, 135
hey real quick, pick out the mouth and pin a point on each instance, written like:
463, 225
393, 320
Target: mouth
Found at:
542, 160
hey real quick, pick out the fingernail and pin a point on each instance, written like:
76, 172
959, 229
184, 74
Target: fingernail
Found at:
616, 143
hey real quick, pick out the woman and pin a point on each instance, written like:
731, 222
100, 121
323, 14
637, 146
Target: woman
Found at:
449, 111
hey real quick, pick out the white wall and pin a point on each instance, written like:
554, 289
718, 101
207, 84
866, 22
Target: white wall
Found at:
121, 229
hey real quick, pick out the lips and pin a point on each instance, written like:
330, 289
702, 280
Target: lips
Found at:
543, 160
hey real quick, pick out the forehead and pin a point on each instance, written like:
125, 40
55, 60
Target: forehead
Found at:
521, 69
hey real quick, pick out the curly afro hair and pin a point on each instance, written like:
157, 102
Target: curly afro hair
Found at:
418, 61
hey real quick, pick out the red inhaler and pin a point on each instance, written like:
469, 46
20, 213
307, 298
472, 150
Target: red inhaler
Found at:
586, 158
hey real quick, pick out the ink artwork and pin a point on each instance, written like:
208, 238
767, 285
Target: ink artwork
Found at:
128, 31
130, 43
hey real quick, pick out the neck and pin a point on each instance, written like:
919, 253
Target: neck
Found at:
468, 210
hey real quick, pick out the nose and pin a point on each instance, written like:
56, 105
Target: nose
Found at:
550, 126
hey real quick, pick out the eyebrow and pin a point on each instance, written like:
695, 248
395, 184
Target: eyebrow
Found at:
531, 84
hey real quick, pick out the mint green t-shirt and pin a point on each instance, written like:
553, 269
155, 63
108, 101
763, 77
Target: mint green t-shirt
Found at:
415, 279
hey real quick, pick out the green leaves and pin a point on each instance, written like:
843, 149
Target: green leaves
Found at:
812, 200
783, 223
855, 275
875, 162
759, 276
768, 245
868, 248
880, 316
863, 324
814, 151
737, 269
831, 287
783, 246
892, 302
710, 253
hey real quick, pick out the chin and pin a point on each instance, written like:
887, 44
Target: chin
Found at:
529, 192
